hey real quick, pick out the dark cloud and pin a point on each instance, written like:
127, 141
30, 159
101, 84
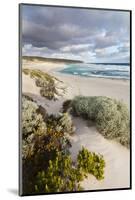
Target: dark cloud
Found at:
72, 31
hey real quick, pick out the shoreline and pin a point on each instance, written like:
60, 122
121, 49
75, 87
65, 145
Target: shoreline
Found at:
86, 86
92, 86
55, 68
57, 71
87, 77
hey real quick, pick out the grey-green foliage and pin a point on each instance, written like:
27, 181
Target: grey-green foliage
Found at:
41, 131
28, 147
65, 124
110, 116
47, 164
33, 126
91, 163
32, 121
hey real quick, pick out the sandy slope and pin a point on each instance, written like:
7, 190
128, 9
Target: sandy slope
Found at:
116, 156
118, 89
28, 85
44, 66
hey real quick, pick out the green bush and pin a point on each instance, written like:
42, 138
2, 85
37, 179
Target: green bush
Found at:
61, 122
28, 147
42, 132
33, 126
65, 124
40, 141
60, 176
60, 126
91, 163
110, 116
47, 165
50, 87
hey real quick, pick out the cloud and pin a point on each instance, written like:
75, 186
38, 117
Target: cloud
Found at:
125, 47
76, 48
83, 33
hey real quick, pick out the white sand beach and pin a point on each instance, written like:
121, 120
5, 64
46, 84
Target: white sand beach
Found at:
117, 157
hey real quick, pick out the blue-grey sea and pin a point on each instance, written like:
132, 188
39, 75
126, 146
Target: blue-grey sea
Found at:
104, 70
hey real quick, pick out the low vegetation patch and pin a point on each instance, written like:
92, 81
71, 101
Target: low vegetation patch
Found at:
43, 132
60, 176
61, 122
47, 164
63, 175
55, 60
89, 162
110, 116
50, 87
32, 121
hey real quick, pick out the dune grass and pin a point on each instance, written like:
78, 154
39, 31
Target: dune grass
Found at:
50, 87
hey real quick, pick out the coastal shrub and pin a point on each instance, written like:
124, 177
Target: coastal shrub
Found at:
92, 163
61, 122
28, 147
46, 162
40, 141
32, 121
63, 175
65, 124
42, 132
56, 141
34, 128
110, 116
60, 176
50, 87
59, 127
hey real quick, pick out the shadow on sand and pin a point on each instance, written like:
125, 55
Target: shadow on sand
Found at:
13, 191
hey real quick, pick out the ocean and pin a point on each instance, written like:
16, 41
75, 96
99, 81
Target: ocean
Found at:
103, 70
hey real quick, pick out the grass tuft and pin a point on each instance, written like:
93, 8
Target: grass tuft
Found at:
50, 87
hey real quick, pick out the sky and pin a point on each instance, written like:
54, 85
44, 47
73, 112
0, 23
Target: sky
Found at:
81, 34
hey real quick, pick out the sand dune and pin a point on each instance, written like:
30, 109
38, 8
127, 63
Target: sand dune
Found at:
44, 66
117, 157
